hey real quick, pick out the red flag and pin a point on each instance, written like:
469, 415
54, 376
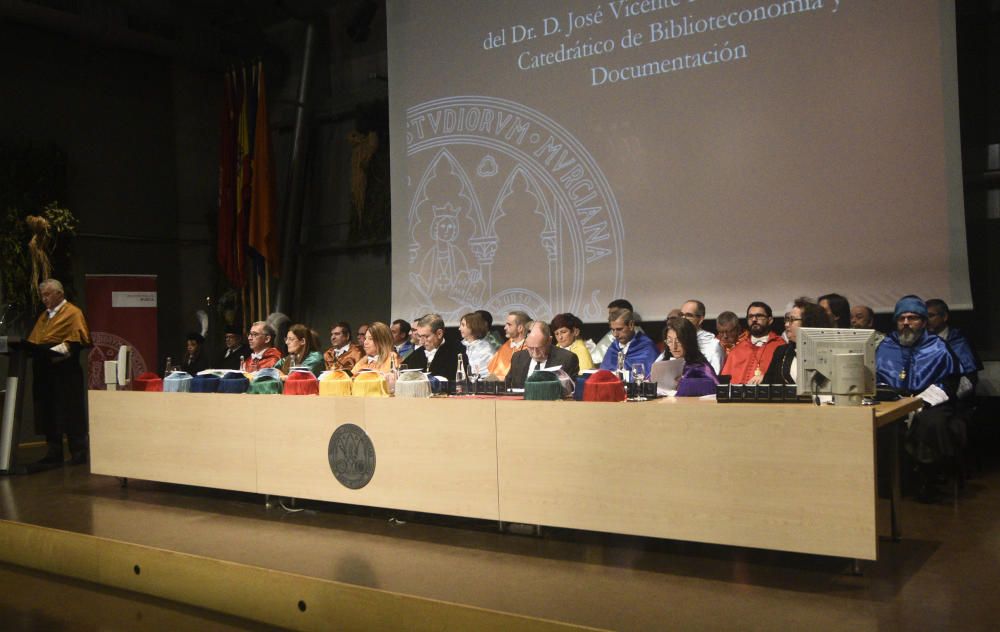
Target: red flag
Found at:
263, 230
243, 177
227, 237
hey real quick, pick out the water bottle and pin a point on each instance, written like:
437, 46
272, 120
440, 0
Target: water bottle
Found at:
168, 367
620, 371
460, 386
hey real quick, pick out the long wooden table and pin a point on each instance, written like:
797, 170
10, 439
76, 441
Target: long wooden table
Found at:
791, 477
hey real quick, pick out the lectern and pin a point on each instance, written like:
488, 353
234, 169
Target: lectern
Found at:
18, 350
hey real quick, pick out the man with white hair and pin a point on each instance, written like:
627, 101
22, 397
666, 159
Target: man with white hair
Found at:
59, 391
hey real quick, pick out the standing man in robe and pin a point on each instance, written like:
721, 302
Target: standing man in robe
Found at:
516, 329
748, 361
59, 390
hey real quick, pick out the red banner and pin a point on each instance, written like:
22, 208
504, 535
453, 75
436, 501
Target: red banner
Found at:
121, 310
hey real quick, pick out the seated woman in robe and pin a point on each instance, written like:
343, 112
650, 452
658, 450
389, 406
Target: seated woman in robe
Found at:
473, 329
380, 352
784, 367
566, 329
698, 377
303, 351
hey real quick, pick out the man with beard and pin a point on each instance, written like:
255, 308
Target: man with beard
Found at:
516, 329
916, 362
748, 361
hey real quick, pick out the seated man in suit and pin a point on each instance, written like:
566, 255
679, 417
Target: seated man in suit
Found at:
437, 355
236, 349
540, 353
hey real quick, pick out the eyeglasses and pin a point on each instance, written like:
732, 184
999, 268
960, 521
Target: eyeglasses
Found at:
757, 316
255, 334
792, 319
689, 315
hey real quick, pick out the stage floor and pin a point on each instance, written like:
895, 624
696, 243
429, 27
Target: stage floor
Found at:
942, 575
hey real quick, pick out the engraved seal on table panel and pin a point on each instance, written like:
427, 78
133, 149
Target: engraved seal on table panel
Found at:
352, 456
498, 186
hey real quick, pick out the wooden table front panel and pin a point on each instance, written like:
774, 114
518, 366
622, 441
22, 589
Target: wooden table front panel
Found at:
785, 477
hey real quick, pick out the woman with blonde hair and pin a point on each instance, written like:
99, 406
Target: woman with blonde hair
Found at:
380, 353
303, 350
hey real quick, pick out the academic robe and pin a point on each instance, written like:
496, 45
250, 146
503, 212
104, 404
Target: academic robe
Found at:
445, 361
59, 392
968, 361
383, 366
479, 352
347, 359
641, 349
230, 358
313, 361
746, 359
500, 363
697, 379
935, 432
270, 358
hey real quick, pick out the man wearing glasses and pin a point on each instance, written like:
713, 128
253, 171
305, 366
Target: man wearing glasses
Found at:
435, 355
916, 362
748, 361
541, 354
263, 354
694, 312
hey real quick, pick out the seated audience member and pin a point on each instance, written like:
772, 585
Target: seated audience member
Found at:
343, 353
437, 356
784, 365
915, 362
263, 355
698, 377
236, 349
380, 354
472, 328
937, 323
302, 351
731, 332
694, 312
490, 336
515, 328
838, 308
566, 329
401, 338
863, 317
540, 353
636, 345
362, 330
600, 348
748, 361
194, 358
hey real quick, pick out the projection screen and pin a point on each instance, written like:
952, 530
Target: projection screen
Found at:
553, 156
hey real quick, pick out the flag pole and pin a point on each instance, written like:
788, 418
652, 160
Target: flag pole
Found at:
267, 283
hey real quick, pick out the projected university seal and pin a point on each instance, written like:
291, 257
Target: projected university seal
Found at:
507, 211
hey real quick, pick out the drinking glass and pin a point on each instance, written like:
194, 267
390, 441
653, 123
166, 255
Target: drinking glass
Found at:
638, 377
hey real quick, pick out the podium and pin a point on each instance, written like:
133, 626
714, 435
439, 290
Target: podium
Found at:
18, 350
